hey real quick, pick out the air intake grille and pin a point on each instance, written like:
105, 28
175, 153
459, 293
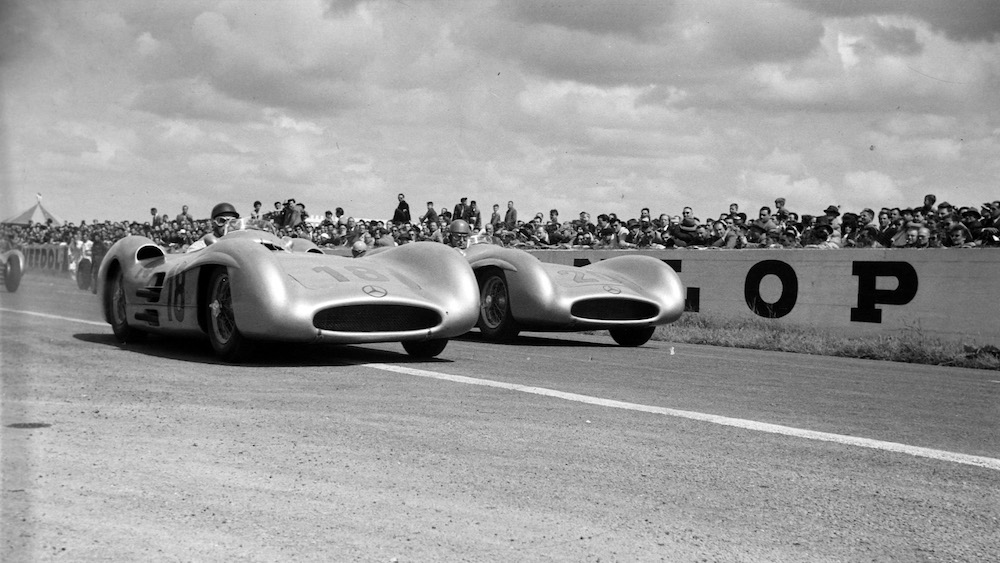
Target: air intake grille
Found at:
376, 318
611, 309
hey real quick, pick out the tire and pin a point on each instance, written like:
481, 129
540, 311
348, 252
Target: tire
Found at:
12, 273
115, 304
227, 340
83, 274
425, 348
495, 319
632, 337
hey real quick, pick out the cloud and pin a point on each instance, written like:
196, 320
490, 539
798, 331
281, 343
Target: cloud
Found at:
969, 20
638, 19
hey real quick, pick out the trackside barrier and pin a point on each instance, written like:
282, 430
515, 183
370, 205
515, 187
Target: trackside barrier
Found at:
952, 294
48, 258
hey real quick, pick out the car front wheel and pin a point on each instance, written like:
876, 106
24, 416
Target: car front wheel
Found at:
632, 337
226, 338
425, 348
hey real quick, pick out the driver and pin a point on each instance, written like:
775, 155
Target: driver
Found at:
458, 234
358, 249
221, 214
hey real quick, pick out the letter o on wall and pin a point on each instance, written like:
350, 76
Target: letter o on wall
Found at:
789, 289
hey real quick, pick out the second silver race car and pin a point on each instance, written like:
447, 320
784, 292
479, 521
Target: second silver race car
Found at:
628, 295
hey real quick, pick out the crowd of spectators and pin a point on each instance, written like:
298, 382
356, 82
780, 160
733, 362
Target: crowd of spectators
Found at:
929, 225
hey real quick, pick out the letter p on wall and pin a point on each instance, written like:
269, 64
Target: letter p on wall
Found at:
869, 296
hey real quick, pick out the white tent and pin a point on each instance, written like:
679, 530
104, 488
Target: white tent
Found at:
35, 214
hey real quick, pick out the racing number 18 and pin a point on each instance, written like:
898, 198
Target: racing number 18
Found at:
365, 274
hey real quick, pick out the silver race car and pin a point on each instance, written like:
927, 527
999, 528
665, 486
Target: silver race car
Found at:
627, 295
253, 285
12, 268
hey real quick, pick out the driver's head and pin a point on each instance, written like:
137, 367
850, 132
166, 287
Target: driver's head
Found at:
459, 232
359, 248
221, 214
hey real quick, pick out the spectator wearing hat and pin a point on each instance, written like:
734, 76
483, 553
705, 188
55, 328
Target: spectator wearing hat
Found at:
632, 236
822, 233
832, 213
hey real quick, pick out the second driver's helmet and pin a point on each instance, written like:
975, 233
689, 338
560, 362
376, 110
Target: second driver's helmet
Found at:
459, 231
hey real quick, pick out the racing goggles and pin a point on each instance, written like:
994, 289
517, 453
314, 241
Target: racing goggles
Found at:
222, 220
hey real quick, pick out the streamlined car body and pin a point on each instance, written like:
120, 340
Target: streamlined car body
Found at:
12, 269
628, 295
252, 285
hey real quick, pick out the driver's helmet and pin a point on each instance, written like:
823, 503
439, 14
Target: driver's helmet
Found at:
224, 209
221, 215
460, 231
359, 248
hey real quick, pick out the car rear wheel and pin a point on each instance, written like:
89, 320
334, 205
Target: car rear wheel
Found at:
425, 348
226, 338
495, 320
12, 273
117, 310
632, 337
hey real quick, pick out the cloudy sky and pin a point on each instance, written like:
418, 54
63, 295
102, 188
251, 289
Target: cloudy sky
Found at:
109, 108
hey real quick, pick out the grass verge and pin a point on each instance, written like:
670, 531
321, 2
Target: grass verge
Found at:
758, 334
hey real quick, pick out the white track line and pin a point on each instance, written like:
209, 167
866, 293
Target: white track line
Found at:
941, 455
56, 317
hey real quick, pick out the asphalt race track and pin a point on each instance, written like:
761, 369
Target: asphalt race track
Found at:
555, 447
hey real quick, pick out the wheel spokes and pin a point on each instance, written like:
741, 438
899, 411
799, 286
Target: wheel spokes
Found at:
494, 303
222, 311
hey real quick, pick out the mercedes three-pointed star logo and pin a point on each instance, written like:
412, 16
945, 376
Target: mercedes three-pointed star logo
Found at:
374, 291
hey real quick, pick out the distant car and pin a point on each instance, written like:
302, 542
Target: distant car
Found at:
12, 269
628, 295
252, 285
